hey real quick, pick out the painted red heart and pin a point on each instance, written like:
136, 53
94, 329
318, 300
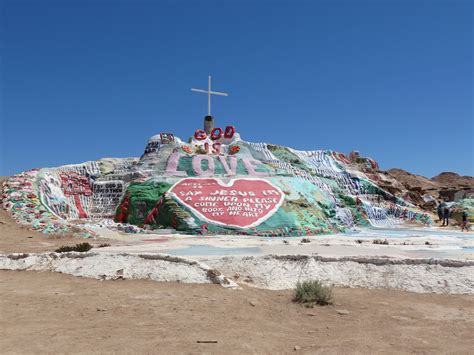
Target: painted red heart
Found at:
240, 203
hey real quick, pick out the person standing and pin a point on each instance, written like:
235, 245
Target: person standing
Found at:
464, 222
446, 216
440, 212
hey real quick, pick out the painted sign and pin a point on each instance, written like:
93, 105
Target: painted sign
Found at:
229, 164
106, 197
152, 147
52, 196
213, 142
76, 185
166, 138
240, 203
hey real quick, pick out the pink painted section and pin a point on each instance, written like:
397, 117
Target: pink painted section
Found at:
229, 163
241, 203
197, 165
172, 166
232, 170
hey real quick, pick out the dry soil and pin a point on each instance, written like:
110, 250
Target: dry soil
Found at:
50, 312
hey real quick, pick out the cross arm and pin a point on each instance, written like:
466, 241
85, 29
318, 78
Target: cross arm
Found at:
199, 90
211, 92
218, 93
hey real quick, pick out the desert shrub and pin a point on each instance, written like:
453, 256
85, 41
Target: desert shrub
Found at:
81, 248
103, 245
380, 241
359, 241
312, 292
64, 249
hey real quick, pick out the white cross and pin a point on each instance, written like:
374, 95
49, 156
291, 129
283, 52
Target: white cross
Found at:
209, 92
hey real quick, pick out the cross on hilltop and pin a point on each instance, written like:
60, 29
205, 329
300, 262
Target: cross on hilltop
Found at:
209, 92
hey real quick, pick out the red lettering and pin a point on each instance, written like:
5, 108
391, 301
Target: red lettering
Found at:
200, 134
216, 133
229, 132
216, 148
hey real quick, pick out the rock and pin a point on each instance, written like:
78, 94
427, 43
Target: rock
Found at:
248, 279
343, 311
297, 347
446, 186
428, 206
450, 179
411, 181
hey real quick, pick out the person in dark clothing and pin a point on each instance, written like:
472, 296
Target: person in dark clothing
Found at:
446, 216
464, 222
440, 212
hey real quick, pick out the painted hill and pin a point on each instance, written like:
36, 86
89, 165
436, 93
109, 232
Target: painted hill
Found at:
214, 183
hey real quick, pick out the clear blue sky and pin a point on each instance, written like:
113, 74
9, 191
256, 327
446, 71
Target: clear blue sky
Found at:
81, 80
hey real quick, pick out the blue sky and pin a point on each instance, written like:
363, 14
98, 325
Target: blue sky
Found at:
81, 80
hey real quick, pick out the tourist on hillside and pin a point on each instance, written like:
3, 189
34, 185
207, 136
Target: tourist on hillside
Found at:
446, 216
464, 222
440, 212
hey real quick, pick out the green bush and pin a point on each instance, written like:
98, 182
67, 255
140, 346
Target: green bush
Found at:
312, 292
81, 248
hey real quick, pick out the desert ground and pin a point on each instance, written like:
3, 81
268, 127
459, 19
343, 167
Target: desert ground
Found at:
51, 312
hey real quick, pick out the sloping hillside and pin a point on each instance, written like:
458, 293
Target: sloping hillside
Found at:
214, 184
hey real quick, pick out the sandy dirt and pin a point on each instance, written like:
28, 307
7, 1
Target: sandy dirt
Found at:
49, 312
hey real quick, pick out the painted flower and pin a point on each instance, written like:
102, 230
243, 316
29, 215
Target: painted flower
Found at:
234, 149
187, 149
